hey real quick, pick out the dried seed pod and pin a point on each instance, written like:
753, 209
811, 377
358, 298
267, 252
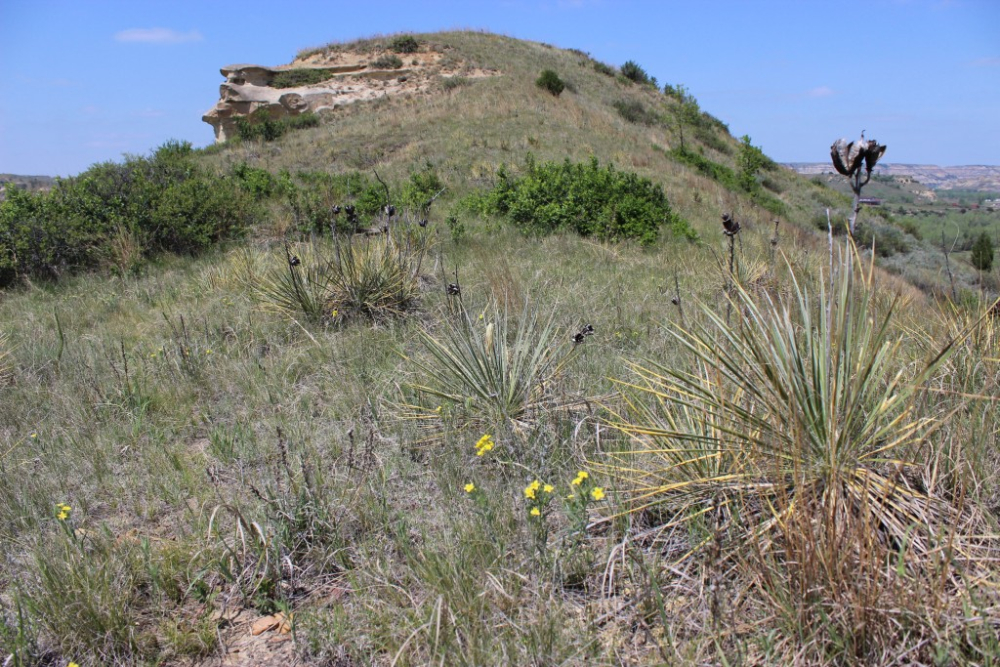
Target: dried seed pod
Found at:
729, 226
873, 153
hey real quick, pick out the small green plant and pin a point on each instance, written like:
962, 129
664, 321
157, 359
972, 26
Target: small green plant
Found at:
493, 373
982, 253
632, 71
750, 161
404, 44
456, 228
635, 111
550, 81
304, 76
605, 69
388, 61
453, 82
262, 128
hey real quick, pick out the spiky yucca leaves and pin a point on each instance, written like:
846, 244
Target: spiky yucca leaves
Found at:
376, 276
5, 369
492, 373
796, 415
369, 276
297, 283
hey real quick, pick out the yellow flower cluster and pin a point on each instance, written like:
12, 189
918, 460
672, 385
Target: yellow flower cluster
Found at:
484, 445
529, 491
62, 511
580, 476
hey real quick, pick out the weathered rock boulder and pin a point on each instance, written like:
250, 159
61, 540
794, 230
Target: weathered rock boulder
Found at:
324, 80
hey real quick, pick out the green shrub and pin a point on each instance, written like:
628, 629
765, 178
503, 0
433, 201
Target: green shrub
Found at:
727, 178
982, 253
635, 111
708, 136
705, 167
192, 214
163, 202
586, 198
404, 44
312, 195
259, 183
453, 82
389, 61
420, 188
606, 70
632, 71
293, 78
261, 128
550, 81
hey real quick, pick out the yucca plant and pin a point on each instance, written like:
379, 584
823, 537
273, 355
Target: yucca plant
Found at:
369, 276
493, 373
5, 368
799, 414
375, 276
298, 284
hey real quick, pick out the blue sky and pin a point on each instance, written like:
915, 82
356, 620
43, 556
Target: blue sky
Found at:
86, 81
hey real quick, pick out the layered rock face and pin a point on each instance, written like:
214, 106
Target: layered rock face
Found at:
324, 81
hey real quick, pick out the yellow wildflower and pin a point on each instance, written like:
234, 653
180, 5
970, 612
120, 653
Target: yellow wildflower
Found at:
63, 511
484, 444
470, 487
597, 493
580, 476
548, 488
529, 492
535, 512
72, 664
34, 435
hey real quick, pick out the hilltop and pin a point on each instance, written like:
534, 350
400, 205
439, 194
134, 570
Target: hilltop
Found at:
466, 103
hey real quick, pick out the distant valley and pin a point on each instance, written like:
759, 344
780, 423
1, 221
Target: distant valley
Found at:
984, 178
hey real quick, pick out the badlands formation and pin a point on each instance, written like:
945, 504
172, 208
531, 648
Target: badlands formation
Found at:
327, 79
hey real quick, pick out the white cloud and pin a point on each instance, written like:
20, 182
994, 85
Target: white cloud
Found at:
157, 36
820, 91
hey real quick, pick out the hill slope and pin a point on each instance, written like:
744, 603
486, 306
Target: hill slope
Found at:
466, 125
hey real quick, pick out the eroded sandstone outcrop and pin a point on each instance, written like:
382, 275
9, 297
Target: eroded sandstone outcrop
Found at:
325, 80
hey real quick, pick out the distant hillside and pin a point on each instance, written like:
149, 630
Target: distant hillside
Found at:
985, 178
30, 183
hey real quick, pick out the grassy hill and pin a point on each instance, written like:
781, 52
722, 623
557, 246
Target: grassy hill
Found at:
457, 443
